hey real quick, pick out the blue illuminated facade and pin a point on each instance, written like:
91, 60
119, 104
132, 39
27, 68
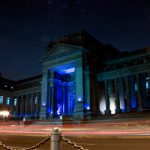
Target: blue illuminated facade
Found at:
62, 83
81, 79
61, 90
67, 78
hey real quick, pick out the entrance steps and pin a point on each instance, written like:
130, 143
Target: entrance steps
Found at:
52, 121
145, 115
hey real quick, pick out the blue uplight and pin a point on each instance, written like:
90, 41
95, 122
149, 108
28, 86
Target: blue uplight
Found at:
123, 110
133, 102
43, 104
49, 110
87, 106
59, 106
79, 99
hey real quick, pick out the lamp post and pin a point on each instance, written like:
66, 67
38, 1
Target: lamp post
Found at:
4, 113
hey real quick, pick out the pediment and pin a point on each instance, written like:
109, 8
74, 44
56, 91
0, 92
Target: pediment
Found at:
58, 50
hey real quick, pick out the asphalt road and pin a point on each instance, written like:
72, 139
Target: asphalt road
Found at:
89, 142
121, 135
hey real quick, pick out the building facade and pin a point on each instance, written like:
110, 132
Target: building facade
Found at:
81, 78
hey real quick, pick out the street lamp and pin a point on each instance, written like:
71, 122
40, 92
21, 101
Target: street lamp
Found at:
4, 113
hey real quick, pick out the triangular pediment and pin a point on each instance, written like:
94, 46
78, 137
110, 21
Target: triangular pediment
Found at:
59, 49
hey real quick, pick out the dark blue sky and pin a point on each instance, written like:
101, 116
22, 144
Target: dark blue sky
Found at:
26, 26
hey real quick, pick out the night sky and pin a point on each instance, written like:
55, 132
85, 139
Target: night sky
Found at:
26, 27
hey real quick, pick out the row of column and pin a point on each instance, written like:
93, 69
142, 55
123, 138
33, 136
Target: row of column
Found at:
119, 89
48, 82
27, 105
60, 96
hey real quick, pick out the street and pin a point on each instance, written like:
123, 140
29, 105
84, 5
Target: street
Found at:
112, 135
126, 127
89, 142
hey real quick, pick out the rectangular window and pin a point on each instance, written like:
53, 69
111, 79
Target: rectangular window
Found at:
135, 86
15, 101
1, 99
147, 85
8, 101
36, 99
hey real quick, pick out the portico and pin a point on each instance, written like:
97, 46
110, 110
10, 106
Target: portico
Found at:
62, 83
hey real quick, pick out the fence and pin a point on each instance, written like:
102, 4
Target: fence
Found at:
55, 140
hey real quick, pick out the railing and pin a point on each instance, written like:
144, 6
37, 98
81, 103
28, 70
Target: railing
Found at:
55, 140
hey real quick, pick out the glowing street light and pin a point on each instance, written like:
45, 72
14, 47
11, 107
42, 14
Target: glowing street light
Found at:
4, 113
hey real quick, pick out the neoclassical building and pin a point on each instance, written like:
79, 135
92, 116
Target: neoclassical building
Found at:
81, 78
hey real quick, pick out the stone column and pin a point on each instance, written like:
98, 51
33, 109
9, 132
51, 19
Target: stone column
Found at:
27, 105
87, 92
4, 101
51, 93
127, 84
21, 108
12, 105
17, 106
143, 90
117, 96
44, 94
29, 109
38, 105
107, 111
35, 105
68, 100
140, 106
79, 107
23, 105
31, 105
63, 99
73, 98
121, 95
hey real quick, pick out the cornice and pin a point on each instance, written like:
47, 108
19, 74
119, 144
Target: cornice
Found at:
142, 68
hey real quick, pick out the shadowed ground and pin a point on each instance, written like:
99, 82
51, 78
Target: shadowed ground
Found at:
118, 132
92, 143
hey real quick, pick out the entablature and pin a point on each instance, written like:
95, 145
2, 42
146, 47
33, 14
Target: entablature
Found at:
133, 70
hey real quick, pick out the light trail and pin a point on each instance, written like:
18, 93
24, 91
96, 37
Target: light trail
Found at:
84, 132
141, 127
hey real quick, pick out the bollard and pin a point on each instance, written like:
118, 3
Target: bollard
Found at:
55, 139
